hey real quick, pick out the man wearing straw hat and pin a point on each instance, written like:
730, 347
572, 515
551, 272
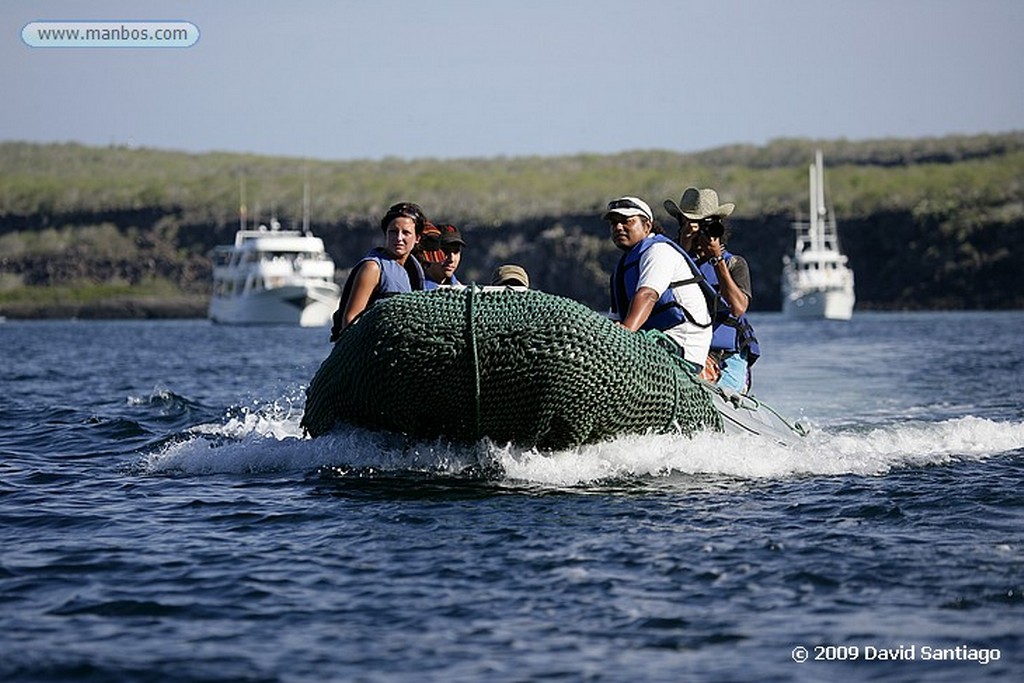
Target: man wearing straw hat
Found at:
703, 233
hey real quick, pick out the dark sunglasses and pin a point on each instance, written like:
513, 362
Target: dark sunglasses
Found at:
617, 218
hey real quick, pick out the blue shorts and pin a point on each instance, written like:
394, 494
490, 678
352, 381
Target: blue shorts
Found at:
734, 374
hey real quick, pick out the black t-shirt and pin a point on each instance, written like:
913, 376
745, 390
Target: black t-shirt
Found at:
740, 272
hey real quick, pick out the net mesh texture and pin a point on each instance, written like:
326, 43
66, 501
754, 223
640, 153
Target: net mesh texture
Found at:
521, 367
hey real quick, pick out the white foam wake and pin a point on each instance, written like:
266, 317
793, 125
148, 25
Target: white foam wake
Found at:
269, 439
873, 452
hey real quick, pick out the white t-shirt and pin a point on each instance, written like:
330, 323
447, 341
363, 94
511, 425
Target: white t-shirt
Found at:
661, 265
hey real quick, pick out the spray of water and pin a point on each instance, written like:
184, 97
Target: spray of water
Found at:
268, 439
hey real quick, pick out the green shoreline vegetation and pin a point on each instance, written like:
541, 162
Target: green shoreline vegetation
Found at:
89, 231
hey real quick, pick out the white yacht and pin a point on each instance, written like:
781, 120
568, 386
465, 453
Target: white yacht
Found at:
273, 276
816, 281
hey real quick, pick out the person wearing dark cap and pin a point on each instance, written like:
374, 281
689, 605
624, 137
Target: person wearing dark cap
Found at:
656, 285
703, 233
510, 275
440, 252
386, 270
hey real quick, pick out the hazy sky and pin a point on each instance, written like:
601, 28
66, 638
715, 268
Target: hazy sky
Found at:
351, 79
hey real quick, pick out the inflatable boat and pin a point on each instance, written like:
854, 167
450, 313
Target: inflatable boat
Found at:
517, 366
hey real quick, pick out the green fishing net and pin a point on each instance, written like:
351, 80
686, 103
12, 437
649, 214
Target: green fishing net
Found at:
521, 367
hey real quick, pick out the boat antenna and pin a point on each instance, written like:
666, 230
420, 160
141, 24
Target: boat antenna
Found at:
242, 210
305, 202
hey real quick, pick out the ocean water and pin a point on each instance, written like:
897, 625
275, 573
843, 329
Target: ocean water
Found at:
162, 519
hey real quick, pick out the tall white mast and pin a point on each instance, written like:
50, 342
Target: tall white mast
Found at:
822, 208
813, 228
820, 165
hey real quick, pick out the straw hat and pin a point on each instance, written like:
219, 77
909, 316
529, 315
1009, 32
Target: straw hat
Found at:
697, 205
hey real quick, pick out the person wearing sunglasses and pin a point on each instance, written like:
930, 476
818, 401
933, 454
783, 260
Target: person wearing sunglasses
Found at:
703, 233
656, 285
440, 252
384, 271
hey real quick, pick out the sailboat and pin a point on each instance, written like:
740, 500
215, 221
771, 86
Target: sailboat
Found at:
816, 280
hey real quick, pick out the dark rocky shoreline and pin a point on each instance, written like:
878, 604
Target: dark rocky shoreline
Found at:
127, 308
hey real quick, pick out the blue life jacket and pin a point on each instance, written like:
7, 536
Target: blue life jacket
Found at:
394, 279
667, 312
731, 334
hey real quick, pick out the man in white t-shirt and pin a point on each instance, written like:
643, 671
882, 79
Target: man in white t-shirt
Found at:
656, 284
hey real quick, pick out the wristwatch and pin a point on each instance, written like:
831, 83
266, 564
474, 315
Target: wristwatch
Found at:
715, 260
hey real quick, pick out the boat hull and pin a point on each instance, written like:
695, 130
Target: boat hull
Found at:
834, 304
303, 305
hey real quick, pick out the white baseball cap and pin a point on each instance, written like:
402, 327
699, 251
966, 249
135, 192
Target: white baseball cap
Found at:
629, 206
